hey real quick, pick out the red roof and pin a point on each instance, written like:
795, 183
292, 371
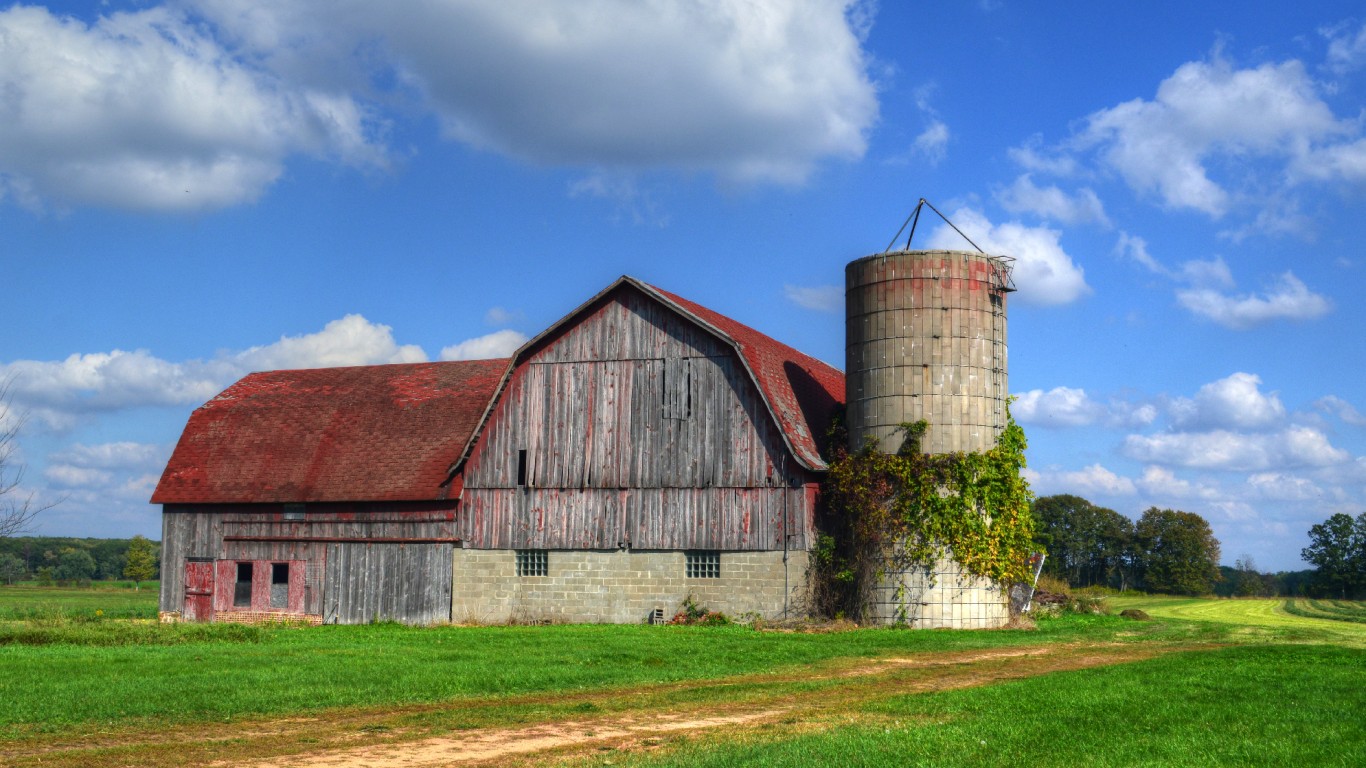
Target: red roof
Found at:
398, 432
374, 433
801, 391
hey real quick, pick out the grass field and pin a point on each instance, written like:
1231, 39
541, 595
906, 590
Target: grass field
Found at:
1257, 617
1208, 682
114, 599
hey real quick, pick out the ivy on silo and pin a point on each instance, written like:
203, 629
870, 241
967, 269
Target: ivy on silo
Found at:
889, 512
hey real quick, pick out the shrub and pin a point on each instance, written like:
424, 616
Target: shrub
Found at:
694, 614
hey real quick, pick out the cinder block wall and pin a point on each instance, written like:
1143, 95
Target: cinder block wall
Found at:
945, 596
621, 586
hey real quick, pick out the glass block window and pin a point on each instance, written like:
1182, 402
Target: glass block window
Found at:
705, 564
532, 562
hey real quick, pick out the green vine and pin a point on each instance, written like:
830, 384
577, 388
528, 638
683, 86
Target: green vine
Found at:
893, 512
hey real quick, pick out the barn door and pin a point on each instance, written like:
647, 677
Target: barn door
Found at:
198, 589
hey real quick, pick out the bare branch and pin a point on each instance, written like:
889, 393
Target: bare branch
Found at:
17, 510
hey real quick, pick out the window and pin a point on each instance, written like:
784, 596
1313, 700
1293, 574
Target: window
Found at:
705, 564
532, 562
294, 512
241, 595
521, 467
279, 585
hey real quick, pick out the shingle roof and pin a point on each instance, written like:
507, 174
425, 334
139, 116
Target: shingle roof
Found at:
377, 433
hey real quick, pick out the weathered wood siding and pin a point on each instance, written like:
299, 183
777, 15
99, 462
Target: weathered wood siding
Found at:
639, 429
377, 582
258, 533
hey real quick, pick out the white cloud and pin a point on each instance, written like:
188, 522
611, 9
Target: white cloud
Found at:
1213, 272
1342, 409
1235, 402
1346, 47
59, 392
1034, 157
822, 298
630, 203
1289, 299
501, 316
95, 473
933, 142
1343, 161
1163, 483
1044, 273
1136, 248
120, 455
755, 92
1223, 449
1122, 414
1058, 407
1050, 202
490, 346
1096, 479
351, 340
146, 111
1283, 487
1202, 111
68, 476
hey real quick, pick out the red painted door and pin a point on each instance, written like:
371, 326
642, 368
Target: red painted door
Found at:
198, 590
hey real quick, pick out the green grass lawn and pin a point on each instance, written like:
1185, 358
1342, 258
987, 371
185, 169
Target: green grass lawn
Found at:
230, 671
1246, 706
1229, 682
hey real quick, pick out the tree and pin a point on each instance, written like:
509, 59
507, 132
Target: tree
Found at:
1176, 552
74, 565
1247, 582
1337, 549
1086, 544
11, 568
17, 509
142, 561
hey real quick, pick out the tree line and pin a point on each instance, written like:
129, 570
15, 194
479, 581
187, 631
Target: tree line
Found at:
65, 560
1166, 551
1175, 552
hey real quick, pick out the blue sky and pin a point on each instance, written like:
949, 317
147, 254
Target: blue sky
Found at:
193, 190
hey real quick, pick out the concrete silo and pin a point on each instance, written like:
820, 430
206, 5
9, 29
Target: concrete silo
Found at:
926, 339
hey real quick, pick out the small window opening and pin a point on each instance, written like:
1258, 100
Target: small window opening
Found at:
532, 562
294, 512
241, 596
279, 585
521, 467
705, 564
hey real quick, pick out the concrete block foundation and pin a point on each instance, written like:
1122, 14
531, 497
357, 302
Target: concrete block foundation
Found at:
622, 586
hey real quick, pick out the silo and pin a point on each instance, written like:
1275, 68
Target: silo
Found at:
926, 339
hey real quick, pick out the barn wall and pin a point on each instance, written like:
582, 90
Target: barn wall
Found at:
344, 550
640, 430
622, 587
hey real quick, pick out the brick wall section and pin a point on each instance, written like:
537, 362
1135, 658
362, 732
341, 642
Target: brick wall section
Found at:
620, 586
943, 597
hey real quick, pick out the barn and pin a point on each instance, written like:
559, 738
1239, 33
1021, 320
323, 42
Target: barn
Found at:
641, 450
